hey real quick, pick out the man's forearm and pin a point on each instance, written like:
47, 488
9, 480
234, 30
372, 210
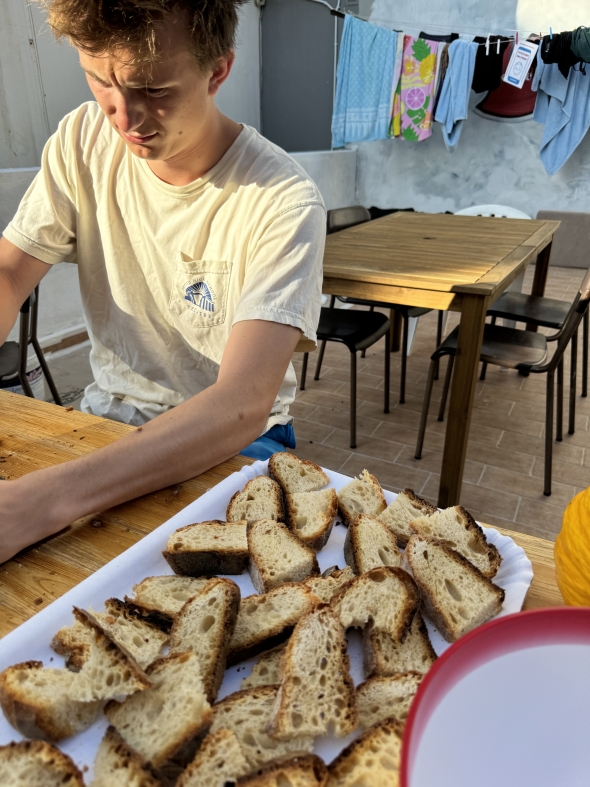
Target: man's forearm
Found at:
9, 306
19, 275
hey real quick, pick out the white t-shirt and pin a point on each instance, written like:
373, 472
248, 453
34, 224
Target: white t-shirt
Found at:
165, 271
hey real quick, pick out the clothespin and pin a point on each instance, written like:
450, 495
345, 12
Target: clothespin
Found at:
516, 39
551, 33
488, 45
498, 46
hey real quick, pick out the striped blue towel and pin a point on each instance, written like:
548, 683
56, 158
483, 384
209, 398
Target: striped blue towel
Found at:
364, 84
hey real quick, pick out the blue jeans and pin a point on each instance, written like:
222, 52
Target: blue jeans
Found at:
278, 438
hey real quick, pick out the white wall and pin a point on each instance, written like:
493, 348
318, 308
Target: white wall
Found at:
334, 173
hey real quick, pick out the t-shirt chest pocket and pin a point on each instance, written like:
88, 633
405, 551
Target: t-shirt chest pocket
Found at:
200, 291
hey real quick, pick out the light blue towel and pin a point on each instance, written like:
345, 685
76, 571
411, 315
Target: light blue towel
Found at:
364, 83
453, 103
563, 105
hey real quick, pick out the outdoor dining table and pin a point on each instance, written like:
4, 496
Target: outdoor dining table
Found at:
36, 434
444, 262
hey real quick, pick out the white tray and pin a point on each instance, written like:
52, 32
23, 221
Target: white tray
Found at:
31, 639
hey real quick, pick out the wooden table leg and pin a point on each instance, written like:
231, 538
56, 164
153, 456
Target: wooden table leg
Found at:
540, 278
473, 314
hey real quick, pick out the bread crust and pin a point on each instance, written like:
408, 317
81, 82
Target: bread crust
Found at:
309, 766
339, 765
201, 563
47, 757
274, 470
320, 540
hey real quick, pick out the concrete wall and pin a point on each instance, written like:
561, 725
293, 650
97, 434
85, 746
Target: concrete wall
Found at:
334, 173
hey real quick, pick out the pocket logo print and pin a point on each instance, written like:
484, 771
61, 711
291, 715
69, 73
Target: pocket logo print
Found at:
200, 295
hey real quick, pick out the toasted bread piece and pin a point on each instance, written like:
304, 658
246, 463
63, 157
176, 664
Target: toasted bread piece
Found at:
384, 656
398, 515
385, 597
328, 584
205, 626
363, 495
264, 621
246, 713
454, 593
160, 599
386, 698
208, 548
277, 556
261, 498
266, 671
317, 693
37, 764
306, 771
141, 639
373, 760
310, 515
459, 531
370, 544
296, 475
116, 765
218, 761
166, 723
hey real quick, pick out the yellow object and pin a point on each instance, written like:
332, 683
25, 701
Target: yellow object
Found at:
427, 67
572, 552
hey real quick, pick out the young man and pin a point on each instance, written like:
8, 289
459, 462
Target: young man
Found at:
199, 247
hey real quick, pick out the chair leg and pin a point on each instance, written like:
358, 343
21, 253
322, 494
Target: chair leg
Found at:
585, 353
425, 408
387, 374
23, 345
548, 434
318, 367
573, 384
559, 414
364, 352
484, 365
353, 400
304, 371
46, 372
402, 381
439, 327
446, 386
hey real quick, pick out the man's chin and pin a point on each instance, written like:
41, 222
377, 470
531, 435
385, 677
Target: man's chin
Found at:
151, 153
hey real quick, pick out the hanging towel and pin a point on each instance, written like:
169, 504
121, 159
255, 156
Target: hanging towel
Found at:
412, 112
364, 83
581, 43
563, 106
454, 98
396, 87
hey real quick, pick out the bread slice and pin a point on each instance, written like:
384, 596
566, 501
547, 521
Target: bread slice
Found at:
166, 723
266, 671
261, 498
208, 548
363, 495
141, 639
386, 698
218, 761
384, 656
264, 621
296, 475
204, 626
116, 765
373, 760
459, 531
246, 713
329, 583
37, 764
306, 771
370, 544
454, 593
406, 507
160, 599
316, 696
277, 556
385, 597
310, 515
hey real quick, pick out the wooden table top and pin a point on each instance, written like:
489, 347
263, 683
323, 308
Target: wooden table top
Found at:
36, 434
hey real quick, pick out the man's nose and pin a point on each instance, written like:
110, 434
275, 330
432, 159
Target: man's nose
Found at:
128, 110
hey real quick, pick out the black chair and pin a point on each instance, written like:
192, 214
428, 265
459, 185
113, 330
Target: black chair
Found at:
516, 349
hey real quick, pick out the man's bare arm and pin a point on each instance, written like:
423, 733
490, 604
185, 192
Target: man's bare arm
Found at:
199, 434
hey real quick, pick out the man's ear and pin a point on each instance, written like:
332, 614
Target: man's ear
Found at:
221, 72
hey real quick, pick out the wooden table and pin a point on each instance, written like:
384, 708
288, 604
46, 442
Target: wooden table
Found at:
36, 434
446, 262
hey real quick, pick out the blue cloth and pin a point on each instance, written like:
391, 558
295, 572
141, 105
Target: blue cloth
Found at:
563, 106
278, 438
364, 83
453, 104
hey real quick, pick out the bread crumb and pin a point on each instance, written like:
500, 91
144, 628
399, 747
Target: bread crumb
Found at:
68, 409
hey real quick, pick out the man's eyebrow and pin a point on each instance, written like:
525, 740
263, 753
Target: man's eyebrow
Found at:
131, 83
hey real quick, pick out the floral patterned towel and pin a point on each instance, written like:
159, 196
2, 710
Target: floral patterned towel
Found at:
413, 100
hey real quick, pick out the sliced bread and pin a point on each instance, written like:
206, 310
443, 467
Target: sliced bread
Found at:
261, 498
386, 698
296, 475
454, 593
384, 656
363, 495
246, 713
370, 544
458, 530
218, 761
208, 548
266, 620
305, 771
385, 597
37, 764
204, 626
266, 671
373, 760
398, 515
159, 599
277, 556
310, 515
329, 583
116, 765
316, 695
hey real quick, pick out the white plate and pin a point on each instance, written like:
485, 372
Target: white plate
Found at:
31, 639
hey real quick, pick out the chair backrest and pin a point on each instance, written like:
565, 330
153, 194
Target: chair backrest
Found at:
572, 321
571, 241
500, 211
342, 218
